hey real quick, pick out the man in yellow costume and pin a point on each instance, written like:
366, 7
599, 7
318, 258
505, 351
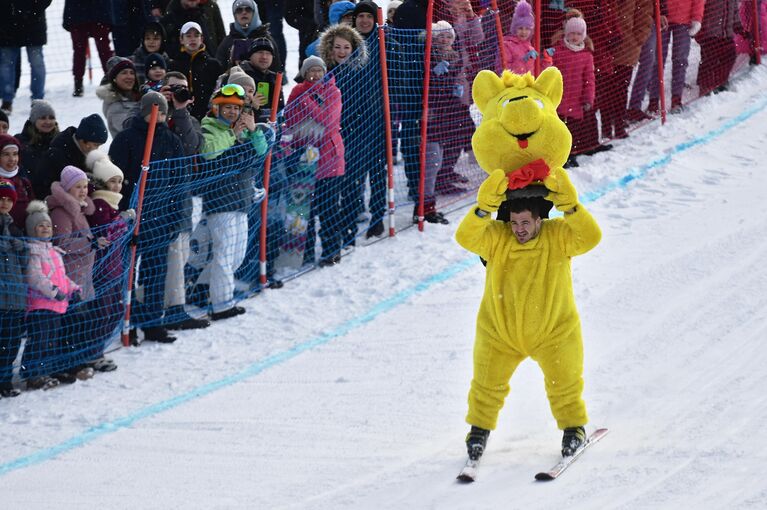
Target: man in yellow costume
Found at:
528, 308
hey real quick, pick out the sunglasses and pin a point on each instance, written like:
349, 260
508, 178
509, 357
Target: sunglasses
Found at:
232, 89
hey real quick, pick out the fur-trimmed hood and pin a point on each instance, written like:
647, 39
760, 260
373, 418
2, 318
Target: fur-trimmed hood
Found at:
325, 46
60, 198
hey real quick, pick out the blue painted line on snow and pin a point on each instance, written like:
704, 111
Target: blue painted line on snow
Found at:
380, 308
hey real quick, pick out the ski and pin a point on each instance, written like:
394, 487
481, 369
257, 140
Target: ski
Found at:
469, 472
566, 462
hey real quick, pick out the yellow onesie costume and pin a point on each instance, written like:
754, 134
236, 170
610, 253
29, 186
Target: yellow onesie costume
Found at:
528, 308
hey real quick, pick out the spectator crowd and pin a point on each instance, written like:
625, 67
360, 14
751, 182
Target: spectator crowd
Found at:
67, 207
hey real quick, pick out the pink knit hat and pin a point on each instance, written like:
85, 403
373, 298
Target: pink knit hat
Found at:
523, 17
577, 25
70, 176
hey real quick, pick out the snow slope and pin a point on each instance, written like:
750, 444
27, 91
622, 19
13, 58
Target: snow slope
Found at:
347, 388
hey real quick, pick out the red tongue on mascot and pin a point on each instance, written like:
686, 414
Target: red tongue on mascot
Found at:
522, 144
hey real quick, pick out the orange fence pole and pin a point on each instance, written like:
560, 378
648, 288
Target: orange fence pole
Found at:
425, 112
139, 207
267, 174
387, 118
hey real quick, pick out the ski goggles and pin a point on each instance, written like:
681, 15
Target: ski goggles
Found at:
233, 89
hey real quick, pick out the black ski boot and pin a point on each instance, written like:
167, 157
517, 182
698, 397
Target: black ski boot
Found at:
476, 440
78, 92
573, 438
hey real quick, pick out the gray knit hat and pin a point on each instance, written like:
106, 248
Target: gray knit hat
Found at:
41, 108
37, 212
313, 61
150, 98
238, 76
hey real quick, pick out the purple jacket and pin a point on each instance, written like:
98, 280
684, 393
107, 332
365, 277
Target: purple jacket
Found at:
577, 68
72, 233
106, 222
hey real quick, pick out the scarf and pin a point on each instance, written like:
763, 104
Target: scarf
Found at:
110, 197
9, 174
575, 47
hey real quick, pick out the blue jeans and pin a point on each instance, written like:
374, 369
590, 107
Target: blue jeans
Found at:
9, 56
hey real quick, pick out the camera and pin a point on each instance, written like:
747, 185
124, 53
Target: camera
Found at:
180, 93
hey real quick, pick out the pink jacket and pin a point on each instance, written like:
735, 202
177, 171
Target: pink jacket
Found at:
313, 112
577, 68
682, 12
45, 273
515, 50
72, 233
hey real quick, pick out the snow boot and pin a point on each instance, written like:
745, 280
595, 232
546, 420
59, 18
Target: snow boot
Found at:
177, 318
476, 440
573, 438
231, 312
676, 104
158, 334
78, 92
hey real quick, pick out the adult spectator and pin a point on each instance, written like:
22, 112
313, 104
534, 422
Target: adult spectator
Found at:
205, 14
22, 24
272, 13
9, 171
717, 46
176, 91
635, 19
71, 147
299, 14
246, 27
84, 19
258, 66
163, 211
411, 14
232, 136
153, 42
120, 94
36, 137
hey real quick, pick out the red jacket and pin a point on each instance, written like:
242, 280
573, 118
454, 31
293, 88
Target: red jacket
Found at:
684, 11
577, 68
313, 114
603, 29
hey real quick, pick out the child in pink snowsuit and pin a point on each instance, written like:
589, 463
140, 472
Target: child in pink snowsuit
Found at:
576, 63
519, 54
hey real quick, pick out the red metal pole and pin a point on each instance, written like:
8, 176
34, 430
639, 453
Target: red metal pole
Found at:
538, 16
139, 207
387, 118
88, 59
425, 111
659, 56
267, 173
499, 29
757, 34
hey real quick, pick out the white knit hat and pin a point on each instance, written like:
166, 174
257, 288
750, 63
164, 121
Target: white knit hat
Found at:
102, 167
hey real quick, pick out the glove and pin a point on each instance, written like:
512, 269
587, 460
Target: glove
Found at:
128, 215
694, 28
442, 68
532, 54
562, 193
492, 192
458, 91
60, 296
76, 297
550, 51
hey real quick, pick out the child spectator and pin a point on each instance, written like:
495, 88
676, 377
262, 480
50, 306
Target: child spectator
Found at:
227, 133
155, 73
13, 290
520, 54
107, 221
258, 66
576, 63
313, 115
36, 137
120, 94
198, 66
153, 42
49, 291
450, 123
9, 170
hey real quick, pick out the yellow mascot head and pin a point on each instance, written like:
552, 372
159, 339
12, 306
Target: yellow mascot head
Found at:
519, 121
